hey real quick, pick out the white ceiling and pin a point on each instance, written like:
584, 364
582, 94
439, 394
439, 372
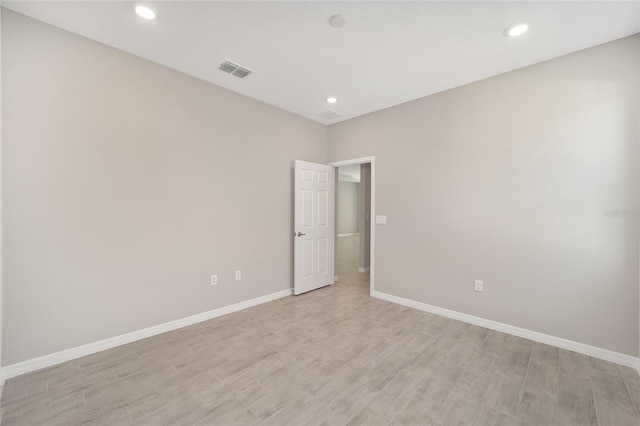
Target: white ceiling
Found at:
388, 53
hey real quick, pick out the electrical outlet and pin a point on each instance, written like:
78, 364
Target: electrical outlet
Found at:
479, 285
238, 275
214, 279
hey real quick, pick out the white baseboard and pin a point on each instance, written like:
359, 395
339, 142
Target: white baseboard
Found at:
363, 269
45, 361
348, 235
607, 355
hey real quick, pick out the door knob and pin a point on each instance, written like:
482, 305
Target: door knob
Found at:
300, 234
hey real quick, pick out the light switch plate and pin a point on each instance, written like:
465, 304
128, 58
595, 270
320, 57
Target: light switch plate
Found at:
381, 220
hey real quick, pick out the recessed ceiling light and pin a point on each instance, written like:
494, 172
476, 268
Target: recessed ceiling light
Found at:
332, 99
145, 12
337, 21
517, 29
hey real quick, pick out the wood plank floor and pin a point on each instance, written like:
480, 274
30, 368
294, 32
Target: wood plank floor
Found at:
334, 357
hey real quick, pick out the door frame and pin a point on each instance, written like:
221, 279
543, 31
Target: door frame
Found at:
372, 242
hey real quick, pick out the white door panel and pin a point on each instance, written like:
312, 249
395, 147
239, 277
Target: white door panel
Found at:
313, 226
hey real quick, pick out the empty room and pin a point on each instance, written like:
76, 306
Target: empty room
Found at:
320, 213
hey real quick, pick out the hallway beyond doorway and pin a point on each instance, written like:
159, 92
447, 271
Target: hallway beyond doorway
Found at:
347, 255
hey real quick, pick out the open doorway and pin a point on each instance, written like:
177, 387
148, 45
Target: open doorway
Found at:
353, 225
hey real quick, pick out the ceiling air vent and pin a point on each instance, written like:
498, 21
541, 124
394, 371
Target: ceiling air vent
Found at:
329, 115
235, 69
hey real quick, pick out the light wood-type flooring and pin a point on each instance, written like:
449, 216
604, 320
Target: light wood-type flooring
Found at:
334, 356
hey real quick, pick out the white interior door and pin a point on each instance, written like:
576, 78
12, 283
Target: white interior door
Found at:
313, 226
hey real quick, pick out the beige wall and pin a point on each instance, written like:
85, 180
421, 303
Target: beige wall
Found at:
364, 218
507, 180
1, 258
348, 207
126, 184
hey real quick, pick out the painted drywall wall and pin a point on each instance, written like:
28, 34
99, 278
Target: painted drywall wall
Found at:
127, 184
348, 207
364, 218
528, 181
1, 144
